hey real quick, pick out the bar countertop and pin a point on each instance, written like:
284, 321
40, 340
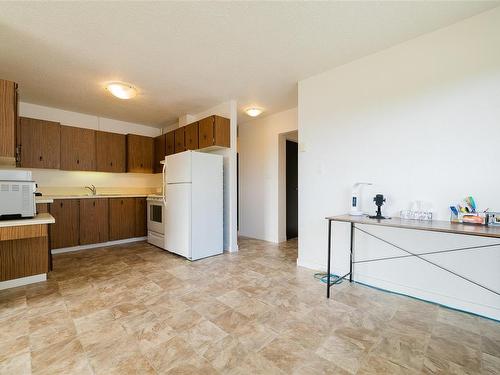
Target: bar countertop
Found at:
42, 218
442, 226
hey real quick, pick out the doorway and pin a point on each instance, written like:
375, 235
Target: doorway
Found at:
292, 190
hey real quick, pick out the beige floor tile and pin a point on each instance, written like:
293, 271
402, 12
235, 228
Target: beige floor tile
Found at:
12, 347
18, 365
441, 350
64, 357
170, 354
342, 353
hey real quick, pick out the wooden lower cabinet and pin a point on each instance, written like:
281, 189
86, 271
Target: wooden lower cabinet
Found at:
141, 223
23, 257
42, 207
94, 224
65, 232
121, 218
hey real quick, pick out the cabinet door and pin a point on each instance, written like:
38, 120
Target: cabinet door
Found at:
206, 132
180, 144
40, 143
191, 136
222, 132
110, 152
139, 154
160, 152
170, 143
94, 217
42, 207
141, 228
65, 232
78, 151
8, 118
121, 218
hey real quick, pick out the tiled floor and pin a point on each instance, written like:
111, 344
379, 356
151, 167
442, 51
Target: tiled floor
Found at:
136, 309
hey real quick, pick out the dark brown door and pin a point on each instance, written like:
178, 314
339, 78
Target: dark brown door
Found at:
121, 218
292, 191
140, 151
78, 149
206, 132
160, 152
191, 136
180, 141
65, 232
140, 217
110, 152
170, 142
94, 225
40, 143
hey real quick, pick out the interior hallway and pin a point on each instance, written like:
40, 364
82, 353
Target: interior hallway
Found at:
137, 309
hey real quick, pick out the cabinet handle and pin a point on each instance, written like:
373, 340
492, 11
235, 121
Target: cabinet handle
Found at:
111, 164
77, 161
93, 203
40, 158
141, 165
61, 204
121, 202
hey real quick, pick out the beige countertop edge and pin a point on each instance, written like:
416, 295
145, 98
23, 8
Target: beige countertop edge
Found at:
43, 200
44, 218
51, 198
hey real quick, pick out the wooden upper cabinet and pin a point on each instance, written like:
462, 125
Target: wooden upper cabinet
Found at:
39, 143
160, 152
141, 226
140, 151
8, 119
122, 213
110, 152
180, 140
78, 150
65, 232
214, 131
94, 224
170, 142
191, 136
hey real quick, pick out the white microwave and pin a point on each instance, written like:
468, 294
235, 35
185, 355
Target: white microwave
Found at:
17, 195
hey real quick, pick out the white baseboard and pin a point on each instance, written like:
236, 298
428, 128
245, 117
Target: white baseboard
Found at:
95, 245
311, 266
23, 281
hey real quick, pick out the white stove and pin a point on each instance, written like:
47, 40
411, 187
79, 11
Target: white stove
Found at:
156, 220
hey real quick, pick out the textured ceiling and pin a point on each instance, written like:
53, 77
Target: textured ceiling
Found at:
185, 57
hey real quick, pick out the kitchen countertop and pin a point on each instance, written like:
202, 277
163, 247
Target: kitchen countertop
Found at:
43, 218
50, 198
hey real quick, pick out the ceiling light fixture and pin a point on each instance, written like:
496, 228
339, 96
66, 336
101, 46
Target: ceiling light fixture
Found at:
121, 90
253, 112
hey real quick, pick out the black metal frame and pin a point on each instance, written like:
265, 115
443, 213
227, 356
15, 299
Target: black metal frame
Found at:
409, 254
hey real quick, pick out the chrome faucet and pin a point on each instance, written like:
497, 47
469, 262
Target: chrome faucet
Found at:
92, 189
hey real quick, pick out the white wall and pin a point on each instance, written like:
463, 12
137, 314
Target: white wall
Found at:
48, 179
227, 110
421, 120
259, 150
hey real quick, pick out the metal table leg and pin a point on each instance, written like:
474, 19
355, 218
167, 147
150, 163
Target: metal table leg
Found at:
329, 258
350, 259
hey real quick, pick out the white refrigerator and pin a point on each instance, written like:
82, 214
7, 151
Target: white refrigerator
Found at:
194, 211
